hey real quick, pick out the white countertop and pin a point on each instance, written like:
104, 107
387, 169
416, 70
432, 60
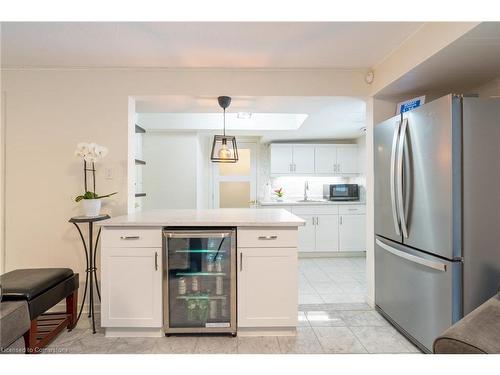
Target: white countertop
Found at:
232, 217
308, 203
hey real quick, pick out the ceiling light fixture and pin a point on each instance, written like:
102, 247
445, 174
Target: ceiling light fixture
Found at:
224, 149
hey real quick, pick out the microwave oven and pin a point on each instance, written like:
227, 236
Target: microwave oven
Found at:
341, 192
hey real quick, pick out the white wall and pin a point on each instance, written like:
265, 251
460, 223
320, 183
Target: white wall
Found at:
488, 90
170, 174
49, 111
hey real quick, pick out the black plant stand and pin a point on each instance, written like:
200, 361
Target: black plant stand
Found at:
90, 255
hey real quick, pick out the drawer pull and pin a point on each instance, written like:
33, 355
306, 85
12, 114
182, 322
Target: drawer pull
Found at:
268, 238
130, 237
353, 209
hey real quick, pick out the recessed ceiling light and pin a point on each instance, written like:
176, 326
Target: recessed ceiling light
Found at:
244, 115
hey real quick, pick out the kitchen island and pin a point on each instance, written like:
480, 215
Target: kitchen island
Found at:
133, 269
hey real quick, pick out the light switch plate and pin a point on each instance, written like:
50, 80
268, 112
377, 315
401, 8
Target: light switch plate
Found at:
108, 173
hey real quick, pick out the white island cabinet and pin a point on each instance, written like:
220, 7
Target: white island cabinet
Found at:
132, 261
131, 280
267, 278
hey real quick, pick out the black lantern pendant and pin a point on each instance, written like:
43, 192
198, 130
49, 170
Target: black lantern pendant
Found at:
224, 149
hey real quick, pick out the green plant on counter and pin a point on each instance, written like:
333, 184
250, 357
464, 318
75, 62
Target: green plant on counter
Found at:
279, 192
92, 195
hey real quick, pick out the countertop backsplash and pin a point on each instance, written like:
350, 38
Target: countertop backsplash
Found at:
293, 186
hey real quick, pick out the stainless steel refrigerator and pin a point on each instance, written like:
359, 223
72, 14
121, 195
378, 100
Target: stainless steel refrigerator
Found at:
437, 214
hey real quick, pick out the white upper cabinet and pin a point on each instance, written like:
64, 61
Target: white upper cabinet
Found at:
347, 159
303, 159
325, 159
321, 159
281, 159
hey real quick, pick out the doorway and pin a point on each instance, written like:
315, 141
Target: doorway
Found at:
235, 184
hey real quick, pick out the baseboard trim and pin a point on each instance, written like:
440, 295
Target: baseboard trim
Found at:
133, 332
332, 254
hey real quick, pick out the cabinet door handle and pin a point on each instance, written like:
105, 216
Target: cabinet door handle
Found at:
268, 237
130, 237
241, 261
341, 220
156, 261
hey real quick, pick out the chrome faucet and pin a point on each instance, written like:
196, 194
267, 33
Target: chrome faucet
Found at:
306, 188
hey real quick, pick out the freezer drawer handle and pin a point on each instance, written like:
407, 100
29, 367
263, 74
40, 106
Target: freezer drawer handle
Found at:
412, 258
130, 237
268, 237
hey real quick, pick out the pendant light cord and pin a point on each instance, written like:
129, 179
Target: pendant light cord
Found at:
224, 122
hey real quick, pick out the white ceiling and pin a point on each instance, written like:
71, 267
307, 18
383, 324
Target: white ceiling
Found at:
352, 45
327, 117
468, 62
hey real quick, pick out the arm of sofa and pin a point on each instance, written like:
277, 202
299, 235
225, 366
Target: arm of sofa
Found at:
14, 322
478, 332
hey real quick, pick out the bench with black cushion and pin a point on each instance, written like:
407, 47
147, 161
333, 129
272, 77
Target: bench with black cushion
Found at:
42, 289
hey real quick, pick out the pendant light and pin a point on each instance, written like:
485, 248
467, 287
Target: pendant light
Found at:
224, 149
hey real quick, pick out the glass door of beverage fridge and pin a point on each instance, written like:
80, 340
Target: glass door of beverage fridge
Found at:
199, 281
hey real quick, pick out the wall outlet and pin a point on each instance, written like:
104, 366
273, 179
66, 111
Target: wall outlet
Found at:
108, 173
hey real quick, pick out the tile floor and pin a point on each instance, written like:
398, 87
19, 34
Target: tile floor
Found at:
333, 318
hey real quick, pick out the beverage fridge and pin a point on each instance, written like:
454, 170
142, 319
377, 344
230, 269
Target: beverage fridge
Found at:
199, 280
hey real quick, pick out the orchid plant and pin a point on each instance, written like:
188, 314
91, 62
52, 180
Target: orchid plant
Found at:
279, 192
91, 153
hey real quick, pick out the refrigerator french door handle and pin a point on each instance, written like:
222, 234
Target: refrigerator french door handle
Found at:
393, 179
399, 179
412, 258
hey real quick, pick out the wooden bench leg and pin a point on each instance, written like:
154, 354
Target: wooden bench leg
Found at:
72, 309
46, 327
30, 340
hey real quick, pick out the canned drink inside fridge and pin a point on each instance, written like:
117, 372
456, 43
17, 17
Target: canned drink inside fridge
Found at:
219, 285
218, 263
210, 263
212, 313
194, 284
223, 308
182, 286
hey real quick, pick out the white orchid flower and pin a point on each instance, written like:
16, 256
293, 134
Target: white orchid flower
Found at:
90, 152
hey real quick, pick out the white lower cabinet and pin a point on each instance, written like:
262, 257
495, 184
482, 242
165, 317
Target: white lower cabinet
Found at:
327, 235
332, 228
352, 233
307, 233
267, 287
131, 286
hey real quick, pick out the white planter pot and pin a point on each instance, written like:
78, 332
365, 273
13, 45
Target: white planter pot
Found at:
91, 207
